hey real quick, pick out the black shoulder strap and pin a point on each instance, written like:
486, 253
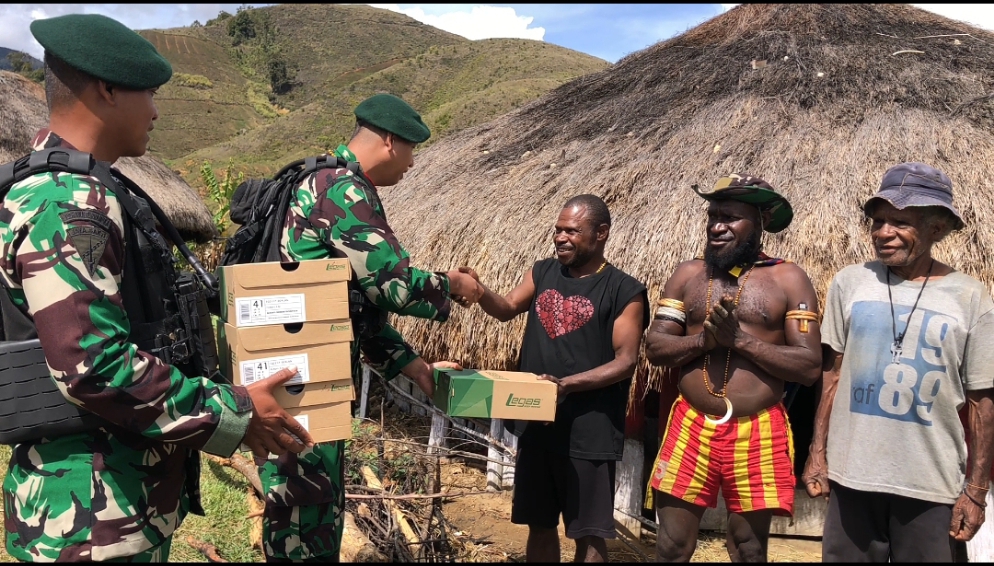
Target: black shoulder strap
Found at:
288, 179
106, 173
53, 159
67, 160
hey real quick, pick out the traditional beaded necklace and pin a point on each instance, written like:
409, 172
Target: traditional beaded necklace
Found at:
728, 359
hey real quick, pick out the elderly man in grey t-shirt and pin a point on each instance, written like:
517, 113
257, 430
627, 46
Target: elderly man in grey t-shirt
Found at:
907, 342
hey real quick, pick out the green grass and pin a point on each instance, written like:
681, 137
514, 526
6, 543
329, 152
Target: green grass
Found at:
223, 493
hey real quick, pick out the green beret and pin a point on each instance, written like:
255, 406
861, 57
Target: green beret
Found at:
390, 113
104, 48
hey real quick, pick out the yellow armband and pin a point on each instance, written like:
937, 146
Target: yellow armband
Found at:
804, 317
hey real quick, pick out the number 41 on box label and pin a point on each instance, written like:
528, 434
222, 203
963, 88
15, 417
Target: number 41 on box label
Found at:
254, 370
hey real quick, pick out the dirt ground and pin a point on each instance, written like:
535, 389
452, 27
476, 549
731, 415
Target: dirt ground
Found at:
482, 528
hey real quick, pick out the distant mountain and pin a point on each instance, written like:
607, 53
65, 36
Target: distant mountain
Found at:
5, 64
268, 85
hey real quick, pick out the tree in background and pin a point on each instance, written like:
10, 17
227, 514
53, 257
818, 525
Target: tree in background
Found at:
21, 64
255, 39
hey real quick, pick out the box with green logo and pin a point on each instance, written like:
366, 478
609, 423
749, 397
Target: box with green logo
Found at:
495, 394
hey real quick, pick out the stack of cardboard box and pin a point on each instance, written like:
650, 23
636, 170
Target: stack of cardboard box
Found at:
276, 315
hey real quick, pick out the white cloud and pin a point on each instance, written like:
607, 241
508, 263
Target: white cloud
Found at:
727, 7
980, 15
476, 22
14, 34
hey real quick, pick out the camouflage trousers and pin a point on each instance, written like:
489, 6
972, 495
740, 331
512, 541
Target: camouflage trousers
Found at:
305, 504
157, 554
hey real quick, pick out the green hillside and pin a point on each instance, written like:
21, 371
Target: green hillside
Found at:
330, 45
5, 64
208, 99
265, 85
453, 86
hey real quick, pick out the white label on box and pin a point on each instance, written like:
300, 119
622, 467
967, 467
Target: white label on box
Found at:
254, 370
273, 309
304, 422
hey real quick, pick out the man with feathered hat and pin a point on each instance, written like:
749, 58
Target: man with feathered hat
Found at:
735, 326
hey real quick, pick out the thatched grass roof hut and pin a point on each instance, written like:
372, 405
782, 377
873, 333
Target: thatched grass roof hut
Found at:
819, 99
23, 113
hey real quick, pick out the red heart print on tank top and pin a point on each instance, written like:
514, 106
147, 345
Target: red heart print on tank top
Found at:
561, 315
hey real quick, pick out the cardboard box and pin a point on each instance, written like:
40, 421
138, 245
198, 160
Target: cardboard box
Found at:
495, 394
320, 350
257, 294
326, 423
318, 393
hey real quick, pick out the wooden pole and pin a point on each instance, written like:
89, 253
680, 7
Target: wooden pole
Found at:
436, 439
507, 480
364, 395
628, 490
495, 471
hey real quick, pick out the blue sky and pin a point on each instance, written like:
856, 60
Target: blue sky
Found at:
602, 30
606, 31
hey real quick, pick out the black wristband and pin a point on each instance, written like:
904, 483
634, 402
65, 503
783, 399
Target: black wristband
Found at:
975, 502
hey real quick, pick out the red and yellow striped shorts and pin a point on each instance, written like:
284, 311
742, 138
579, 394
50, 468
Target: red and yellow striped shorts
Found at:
750, 458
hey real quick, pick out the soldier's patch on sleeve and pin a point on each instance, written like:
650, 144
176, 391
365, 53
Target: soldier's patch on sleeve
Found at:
89, 240
90, 216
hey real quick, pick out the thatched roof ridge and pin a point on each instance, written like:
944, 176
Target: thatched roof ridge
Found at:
23, 113
812, 55
829, 105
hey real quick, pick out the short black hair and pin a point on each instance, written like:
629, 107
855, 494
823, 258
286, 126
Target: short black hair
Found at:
594, 205
63, 83
361, 125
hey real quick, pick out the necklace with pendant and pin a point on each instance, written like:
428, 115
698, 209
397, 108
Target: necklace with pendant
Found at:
896, 347
728, 359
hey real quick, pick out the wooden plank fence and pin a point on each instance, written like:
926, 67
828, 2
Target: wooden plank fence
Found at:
502, 447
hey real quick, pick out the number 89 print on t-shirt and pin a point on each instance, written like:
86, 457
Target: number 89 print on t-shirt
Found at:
906, 390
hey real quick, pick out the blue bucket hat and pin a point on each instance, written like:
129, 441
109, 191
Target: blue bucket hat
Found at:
916, 184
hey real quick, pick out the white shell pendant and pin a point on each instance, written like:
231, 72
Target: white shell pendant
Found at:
724, 419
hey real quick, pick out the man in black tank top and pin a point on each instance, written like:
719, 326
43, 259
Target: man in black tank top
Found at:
585, 324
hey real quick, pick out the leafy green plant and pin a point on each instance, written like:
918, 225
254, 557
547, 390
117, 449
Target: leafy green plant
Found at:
220, 192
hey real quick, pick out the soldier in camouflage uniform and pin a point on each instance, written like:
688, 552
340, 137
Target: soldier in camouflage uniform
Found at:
117, 492
337, 213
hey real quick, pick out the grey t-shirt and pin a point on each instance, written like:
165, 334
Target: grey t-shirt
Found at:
895, 428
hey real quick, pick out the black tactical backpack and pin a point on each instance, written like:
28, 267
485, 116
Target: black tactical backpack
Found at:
31, 405
260, 207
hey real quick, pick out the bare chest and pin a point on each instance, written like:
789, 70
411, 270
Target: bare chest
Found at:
761, 302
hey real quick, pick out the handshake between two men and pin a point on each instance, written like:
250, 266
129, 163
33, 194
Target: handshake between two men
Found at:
273, 431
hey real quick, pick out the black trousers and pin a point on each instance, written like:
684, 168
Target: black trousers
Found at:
863, 526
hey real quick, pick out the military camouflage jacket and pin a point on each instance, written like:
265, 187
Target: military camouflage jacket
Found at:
118, 490
346, 213
333, 214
